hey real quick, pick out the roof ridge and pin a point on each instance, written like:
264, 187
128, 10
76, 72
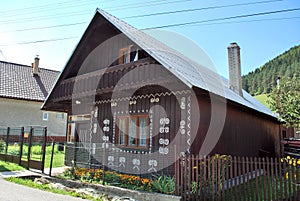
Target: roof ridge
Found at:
23, 65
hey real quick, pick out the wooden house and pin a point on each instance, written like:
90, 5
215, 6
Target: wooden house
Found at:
135, 104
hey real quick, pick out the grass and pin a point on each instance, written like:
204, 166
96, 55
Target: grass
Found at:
45, 187
263, 98
260, 189
36, 154
6, 166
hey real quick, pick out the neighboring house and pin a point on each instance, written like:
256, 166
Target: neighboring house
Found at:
23, 90
133, 101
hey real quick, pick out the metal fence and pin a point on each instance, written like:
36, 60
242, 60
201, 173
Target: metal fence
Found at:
24, 146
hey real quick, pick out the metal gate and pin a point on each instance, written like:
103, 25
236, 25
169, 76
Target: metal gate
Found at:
25, 146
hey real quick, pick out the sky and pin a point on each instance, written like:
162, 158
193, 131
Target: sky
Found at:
52, 29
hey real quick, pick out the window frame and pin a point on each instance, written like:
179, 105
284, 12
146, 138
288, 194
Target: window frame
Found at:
122, 55
45, 116
137, 140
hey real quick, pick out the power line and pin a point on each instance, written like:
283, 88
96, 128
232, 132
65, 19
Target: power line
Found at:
142, 5
43, 9
135, 16
246, 21
223, 18
45, 17
46, 27
39, 41
53, 16
39, 7
199, 9
204, 24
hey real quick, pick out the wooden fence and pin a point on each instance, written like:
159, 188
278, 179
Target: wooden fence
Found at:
237, 178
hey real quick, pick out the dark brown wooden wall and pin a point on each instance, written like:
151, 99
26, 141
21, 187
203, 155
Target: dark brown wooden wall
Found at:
245, 132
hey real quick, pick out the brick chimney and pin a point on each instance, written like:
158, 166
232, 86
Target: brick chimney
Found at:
35, 65
234, 62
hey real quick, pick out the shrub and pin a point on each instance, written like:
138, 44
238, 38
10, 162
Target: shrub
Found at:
164, 184
2, 145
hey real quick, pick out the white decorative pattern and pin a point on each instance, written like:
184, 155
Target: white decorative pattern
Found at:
122, 161
94, 149
164, 121
110, 160
189, 124
182, 104
136, 163
154, 100
152, 163
164, 141
114, 101
96, 112
163, 150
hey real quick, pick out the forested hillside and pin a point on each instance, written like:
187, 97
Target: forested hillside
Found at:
263, 79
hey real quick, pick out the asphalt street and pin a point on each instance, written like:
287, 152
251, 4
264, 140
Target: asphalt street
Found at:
13, 192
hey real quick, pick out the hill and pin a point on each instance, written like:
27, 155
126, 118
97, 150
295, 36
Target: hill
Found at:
263, 79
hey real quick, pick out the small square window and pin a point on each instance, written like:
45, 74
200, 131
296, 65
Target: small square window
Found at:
60, 116
45, 116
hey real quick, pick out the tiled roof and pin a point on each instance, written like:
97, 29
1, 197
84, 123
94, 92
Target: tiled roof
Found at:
17, 82
191, 73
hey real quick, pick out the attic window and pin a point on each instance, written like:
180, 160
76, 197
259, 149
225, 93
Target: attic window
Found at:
124, 55
128, 54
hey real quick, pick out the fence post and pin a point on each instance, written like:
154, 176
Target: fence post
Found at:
29, 147
51, 160
44, 149
7, 139
21, 145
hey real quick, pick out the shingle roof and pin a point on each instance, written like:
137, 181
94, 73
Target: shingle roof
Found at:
17, 82
191, 73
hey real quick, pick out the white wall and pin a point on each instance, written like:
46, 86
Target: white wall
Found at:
17, 113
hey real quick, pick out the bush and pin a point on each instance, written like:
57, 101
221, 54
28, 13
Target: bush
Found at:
164, 184
2, 145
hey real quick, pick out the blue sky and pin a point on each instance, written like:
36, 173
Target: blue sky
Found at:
261, 37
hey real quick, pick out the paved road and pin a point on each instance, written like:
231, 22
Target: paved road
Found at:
13, 192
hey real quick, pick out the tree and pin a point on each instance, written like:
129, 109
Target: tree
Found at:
285, 101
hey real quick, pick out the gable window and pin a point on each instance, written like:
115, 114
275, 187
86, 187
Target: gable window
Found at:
132, 131
125, 55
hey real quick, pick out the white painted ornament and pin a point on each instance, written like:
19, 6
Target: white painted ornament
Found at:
122, 161
152, 163
136, 163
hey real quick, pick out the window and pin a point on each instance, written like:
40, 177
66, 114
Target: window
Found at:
60, 116
124, 55
45, 116
132, 131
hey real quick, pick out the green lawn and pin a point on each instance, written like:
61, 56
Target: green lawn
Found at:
36, 154
6, 166
263, 99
